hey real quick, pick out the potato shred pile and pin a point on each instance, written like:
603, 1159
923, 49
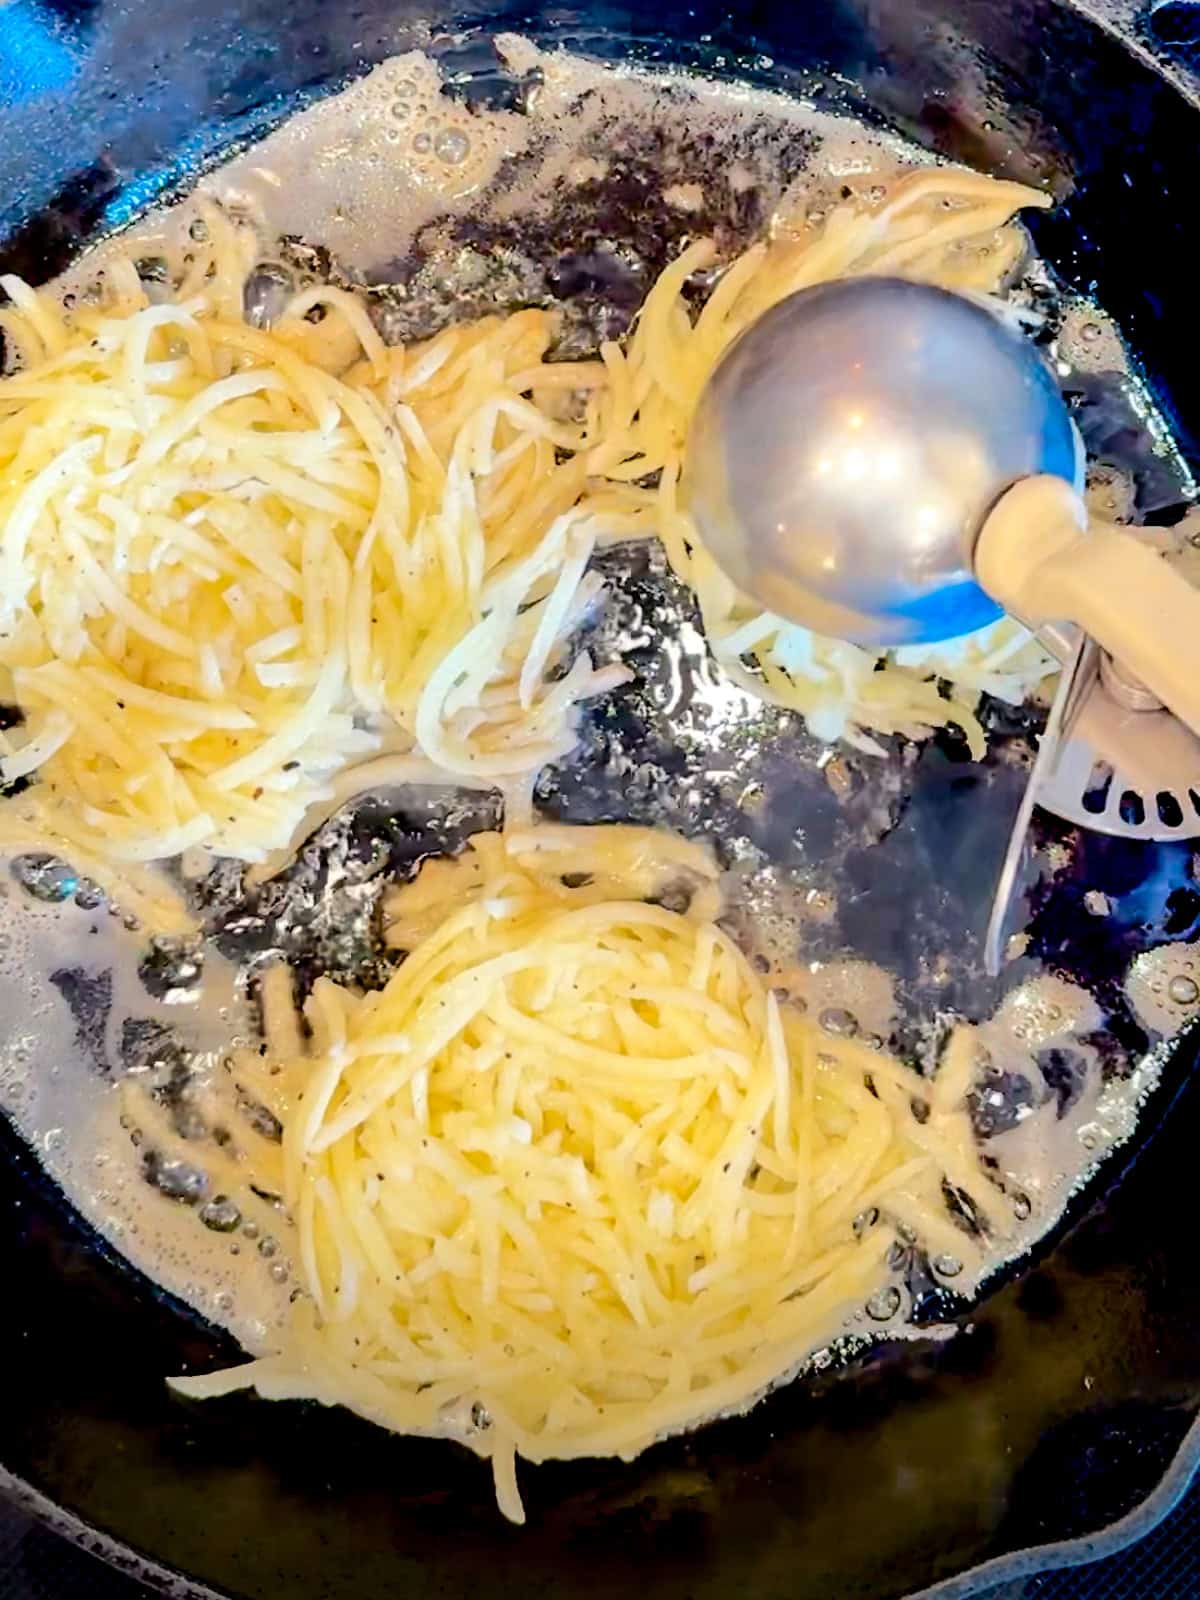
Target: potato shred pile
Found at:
576, 1178
231, 570
245, 572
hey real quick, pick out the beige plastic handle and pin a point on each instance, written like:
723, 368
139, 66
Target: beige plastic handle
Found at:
1039, 558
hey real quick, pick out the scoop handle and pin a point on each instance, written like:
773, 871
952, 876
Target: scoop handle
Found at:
1037, 556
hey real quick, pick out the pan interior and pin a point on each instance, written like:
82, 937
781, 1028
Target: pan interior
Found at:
868, 877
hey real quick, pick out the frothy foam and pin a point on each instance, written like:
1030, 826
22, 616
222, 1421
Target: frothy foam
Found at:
72, 975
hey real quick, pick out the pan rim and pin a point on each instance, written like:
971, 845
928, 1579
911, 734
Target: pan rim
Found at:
976, 1581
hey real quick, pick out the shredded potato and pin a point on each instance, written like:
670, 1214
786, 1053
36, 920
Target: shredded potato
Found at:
227, 573
236, 565
942, 226
576, 1179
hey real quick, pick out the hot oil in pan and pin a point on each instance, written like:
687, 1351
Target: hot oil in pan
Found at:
860, 882
86, 1012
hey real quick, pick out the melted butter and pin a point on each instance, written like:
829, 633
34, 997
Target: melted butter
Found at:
71, 976
1046, 1091
362, 172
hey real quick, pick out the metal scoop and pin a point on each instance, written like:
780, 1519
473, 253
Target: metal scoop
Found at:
887, 462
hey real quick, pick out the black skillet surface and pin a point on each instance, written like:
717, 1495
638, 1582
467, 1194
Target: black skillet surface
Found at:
1063, 1400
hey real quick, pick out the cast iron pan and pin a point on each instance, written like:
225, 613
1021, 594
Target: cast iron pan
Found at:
1062, 1417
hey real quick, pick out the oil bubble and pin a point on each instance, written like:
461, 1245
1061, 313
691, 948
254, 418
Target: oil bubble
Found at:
267, 291
171, 969
1183, 990
220, 1214
45, 877
178, 1180
884, 1303
452, 146
865, 1221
